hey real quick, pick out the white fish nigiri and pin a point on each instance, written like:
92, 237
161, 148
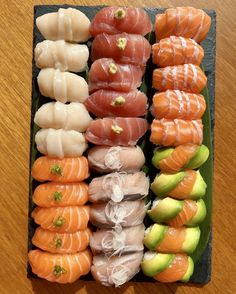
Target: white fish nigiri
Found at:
62, 86
66, 24
61, 55
60, 143
117, 270
118, 187
56, 115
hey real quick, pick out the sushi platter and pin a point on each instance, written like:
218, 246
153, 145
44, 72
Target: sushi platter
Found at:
121, 163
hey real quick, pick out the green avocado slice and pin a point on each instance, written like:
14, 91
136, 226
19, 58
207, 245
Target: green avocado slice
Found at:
154, 235
189, 271
191, 240
199, 187
199, 216
159, 154
199, 158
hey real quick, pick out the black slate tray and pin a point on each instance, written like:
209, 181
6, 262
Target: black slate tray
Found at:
202, 272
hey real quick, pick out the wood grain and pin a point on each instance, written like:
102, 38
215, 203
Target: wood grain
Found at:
16, 24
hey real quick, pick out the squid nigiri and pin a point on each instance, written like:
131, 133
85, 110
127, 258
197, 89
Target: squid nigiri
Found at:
67, 219
177, 51
173, 104
176, 132
61, 242
116, 270
115, 20
187, 22
106, 74
187, 77
60, 268
61, 55
116, 131
64, 170
105, 103
118, 187
57, 194
66, 24
104, 159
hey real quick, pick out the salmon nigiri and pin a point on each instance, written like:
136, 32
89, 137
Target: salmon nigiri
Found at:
187, 22
67, 219
116, 131
105, 73
187, 77
176, 132
57, 194
115, 20
66, 170
105, 103
124, 48
60, 268
178, 104
61, 242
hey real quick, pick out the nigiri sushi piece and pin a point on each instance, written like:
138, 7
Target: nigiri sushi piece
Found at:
66, 24
173, 104
123, 48
58, 194
181, 185
66, 170
183, 157
60, 268
176, 51
106, 74
116, 131
117, 241
116, 270
116, 20
187, 22
177, 213
67, 219
162, 238
61, 242
118, 187
167, 268
125, 214
105, 159
187, 77
105, 103
61, 55
176, 132
60, 143
62, 86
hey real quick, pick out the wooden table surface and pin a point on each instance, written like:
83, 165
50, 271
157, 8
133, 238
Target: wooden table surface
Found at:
16, 24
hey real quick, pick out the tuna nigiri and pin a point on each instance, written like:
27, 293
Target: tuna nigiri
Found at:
64, 170
116, 131
105, 103
178, 104
118, 187
187, 77
187, 22
61, 242
123, 48
60, 268
115, 20
104, 159
176, 132
67, 219
105, 73
57, 194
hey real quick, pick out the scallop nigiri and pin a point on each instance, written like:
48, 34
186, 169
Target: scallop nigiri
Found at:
67, 219
61, 242
60, 268
187, 22
176, 132
116, 131
58, 194
115, 20
178, 104
177, 51
107, 74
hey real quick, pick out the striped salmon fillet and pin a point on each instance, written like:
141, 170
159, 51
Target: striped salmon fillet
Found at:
173, 240
184, 187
